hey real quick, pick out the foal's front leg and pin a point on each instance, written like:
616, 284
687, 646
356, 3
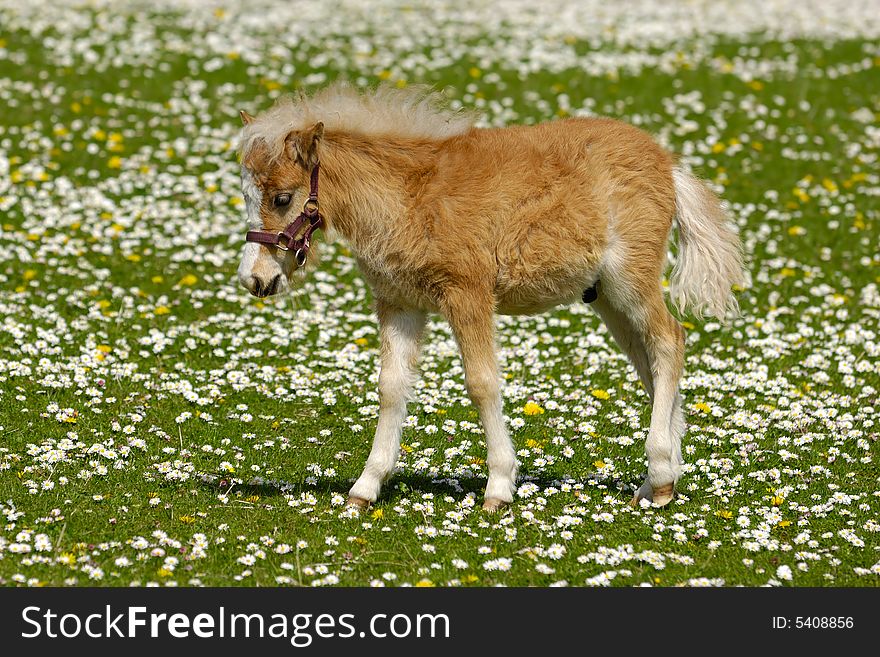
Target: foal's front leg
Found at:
472, 319
400, 333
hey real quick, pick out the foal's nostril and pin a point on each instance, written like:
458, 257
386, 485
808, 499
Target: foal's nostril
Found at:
274, 284
258, 290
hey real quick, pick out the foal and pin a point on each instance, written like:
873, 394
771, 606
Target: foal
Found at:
445, 217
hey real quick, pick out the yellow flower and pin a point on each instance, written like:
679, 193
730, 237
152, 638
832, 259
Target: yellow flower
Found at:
114, 162
164, 572
724, 513
600, 394
361, 342
30, 274
378, 514
425, 583
599, 464
783, 523
474, 72
777, 500
157, 279
187, 519
104, 348
189, 279
703, 406
531, 408
162, 310
797, 230
469, 579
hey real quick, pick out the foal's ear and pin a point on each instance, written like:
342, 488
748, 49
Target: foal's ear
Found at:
302, 145
245, 117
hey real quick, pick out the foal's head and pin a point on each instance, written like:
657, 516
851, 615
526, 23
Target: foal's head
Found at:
275, 183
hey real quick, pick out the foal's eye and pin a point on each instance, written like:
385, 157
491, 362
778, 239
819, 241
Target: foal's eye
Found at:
281, 200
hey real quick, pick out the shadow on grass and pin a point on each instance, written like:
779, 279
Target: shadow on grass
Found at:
405, 484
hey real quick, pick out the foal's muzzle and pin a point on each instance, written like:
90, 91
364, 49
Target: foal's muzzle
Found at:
262, 288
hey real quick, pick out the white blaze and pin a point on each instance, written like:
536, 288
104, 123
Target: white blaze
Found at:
253, 200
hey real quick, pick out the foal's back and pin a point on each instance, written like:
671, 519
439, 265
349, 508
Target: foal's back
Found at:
533, 209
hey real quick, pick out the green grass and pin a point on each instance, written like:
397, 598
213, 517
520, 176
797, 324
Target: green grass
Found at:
119, 299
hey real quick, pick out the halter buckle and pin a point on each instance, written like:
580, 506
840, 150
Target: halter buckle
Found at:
285, 246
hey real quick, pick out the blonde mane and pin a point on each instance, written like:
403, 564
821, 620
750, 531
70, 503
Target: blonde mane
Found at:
412, 112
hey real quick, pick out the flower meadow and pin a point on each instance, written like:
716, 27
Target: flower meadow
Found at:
161, 427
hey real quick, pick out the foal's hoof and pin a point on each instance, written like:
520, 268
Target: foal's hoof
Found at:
661, 496
357, 503
494, 505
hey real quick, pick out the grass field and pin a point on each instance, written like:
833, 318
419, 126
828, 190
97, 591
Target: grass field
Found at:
159, 426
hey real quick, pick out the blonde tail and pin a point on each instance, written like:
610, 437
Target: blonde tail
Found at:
710, 260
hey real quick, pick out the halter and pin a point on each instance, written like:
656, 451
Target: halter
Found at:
286, 239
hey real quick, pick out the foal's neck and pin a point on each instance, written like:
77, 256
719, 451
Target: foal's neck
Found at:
367, 184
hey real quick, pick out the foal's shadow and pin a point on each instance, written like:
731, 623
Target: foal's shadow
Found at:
406, 485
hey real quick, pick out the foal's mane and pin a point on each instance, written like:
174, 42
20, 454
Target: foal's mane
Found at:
415, 112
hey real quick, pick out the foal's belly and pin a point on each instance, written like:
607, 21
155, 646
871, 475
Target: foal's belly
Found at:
516, 292
541, 293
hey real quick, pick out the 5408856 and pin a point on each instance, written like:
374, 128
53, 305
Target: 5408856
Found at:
823, 622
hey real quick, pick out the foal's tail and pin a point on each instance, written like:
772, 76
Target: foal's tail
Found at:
710, 260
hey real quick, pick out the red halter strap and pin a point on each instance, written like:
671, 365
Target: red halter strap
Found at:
286, 239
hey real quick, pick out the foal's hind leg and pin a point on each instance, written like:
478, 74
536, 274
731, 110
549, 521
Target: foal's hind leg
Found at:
643, 327
664, 339
401, 333
472, 319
